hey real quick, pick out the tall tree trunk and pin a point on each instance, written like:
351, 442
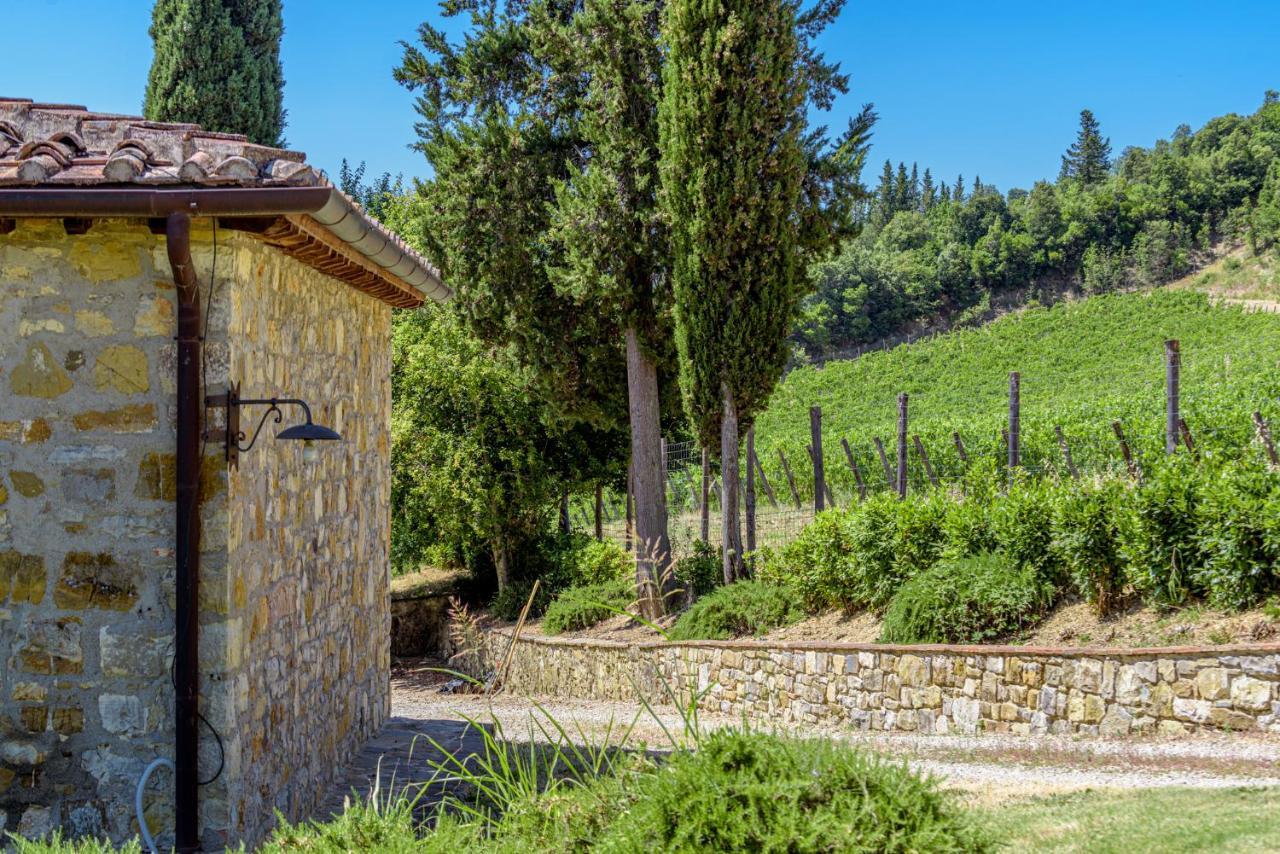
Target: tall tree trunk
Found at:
653, 548
599, 513
731, 532
565, 525
502, 562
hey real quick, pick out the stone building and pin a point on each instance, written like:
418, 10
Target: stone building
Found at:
146, 270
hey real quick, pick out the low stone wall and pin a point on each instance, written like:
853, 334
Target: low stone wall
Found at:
420, 625
930, 689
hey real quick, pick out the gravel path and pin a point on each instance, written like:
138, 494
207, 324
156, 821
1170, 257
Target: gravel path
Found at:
989, 767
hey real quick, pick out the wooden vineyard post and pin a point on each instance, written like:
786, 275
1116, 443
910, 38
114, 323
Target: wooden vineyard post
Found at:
1066, 452
902, 446
815, 450
599, 513
750, 499
706, 489
630, 531
1172, 372
1015, 421
826, 488
764, 481
1264, 435
853, 467
924, 458
884, 462
1124, 449
1185, 432
964, 455
791, 481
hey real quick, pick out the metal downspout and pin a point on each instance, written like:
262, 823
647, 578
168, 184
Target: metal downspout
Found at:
186, 659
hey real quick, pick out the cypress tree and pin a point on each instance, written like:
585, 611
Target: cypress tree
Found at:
902, 189
913, 190
732, 121
957, 194
217, 64
885, 192
1089, 158
944, 192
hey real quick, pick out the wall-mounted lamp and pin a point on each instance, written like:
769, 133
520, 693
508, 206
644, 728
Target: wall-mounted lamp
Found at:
232, 437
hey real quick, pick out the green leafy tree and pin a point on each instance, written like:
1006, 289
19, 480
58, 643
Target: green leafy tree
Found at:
217, 64
736, 158
1088, 160
541, 130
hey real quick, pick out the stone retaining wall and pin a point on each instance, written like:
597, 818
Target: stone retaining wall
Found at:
931, 689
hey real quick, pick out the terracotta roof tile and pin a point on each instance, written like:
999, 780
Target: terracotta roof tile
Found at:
66, 145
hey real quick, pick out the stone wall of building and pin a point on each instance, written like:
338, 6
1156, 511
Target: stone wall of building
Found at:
86, 523
294, 569
929, 689
307, 579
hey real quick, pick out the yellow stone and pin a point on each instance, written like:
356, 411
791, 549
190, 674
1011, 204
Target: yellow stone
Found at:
39, 375
27, 432
30, 692
4, 494
28, 484
27, 328
135, 418
34, 718
22, 577
94, 324
6, 779
122, 368
94, 581
69, 720
105, 261
157, 479
154, 317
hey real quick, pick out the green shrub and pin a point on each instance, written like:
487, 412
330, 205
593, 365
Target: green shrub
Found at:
55, 844
743, 608
508, 602
1158, 533
967, 600
968, 529
1238, 535
582, 607
595, 562
752, 792
1022, 522
918, 539
702, 571
818, 563
1086, 535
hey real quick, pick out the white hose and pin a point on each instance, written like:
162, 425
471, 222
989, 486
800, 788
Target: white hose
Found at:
148, 843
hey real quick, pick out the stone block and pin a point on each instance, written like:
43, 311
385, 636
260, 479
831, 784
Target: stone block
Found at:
1251, 694
36, 822
913, 671
39, 375
29, 432
154, 317
134, 418
94, 324
1115, 722
1213, 683
1196, 711
94, 581
51, 647
133, 651
122, 368
94, 487
122, 715
67, 720
1229, 719
22, 577
27, 484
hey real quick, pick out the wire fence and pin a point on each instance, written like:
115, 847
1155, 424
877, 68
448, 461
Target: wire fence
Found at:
1123, 442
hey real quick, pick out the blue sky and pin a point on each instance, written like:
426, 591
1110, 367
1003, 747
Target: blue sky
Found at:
991, 88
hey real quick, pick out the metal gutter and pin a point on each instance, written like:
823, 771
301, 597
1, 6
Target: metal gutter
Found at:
186, 656
328, 206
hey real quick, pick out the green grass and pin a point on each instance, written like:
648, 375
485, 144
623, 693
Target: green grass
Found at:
1238, 277
1163, 820
1083, 364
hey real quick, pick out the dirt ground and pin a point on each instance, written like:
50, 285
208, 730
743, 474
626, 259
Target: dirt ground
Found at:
1070, 624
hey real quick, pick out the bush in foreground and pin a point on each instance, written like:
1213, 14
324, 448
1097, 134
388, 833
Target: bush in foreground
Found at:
582, 607
968, 600
744, 608
742, 791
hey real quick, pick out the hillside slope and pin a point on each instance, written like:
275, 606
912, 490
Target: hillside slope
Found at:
1083, 364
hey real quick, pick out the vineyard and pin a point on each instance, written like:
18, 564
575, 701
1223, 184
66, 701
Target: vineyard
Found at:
1083, 365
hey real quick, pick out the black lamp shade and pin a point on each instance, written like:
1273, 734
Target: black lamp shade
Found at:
308, 432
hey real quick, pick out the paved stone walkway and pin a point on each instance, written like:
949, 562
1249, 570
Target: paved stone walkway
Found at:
986, 768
